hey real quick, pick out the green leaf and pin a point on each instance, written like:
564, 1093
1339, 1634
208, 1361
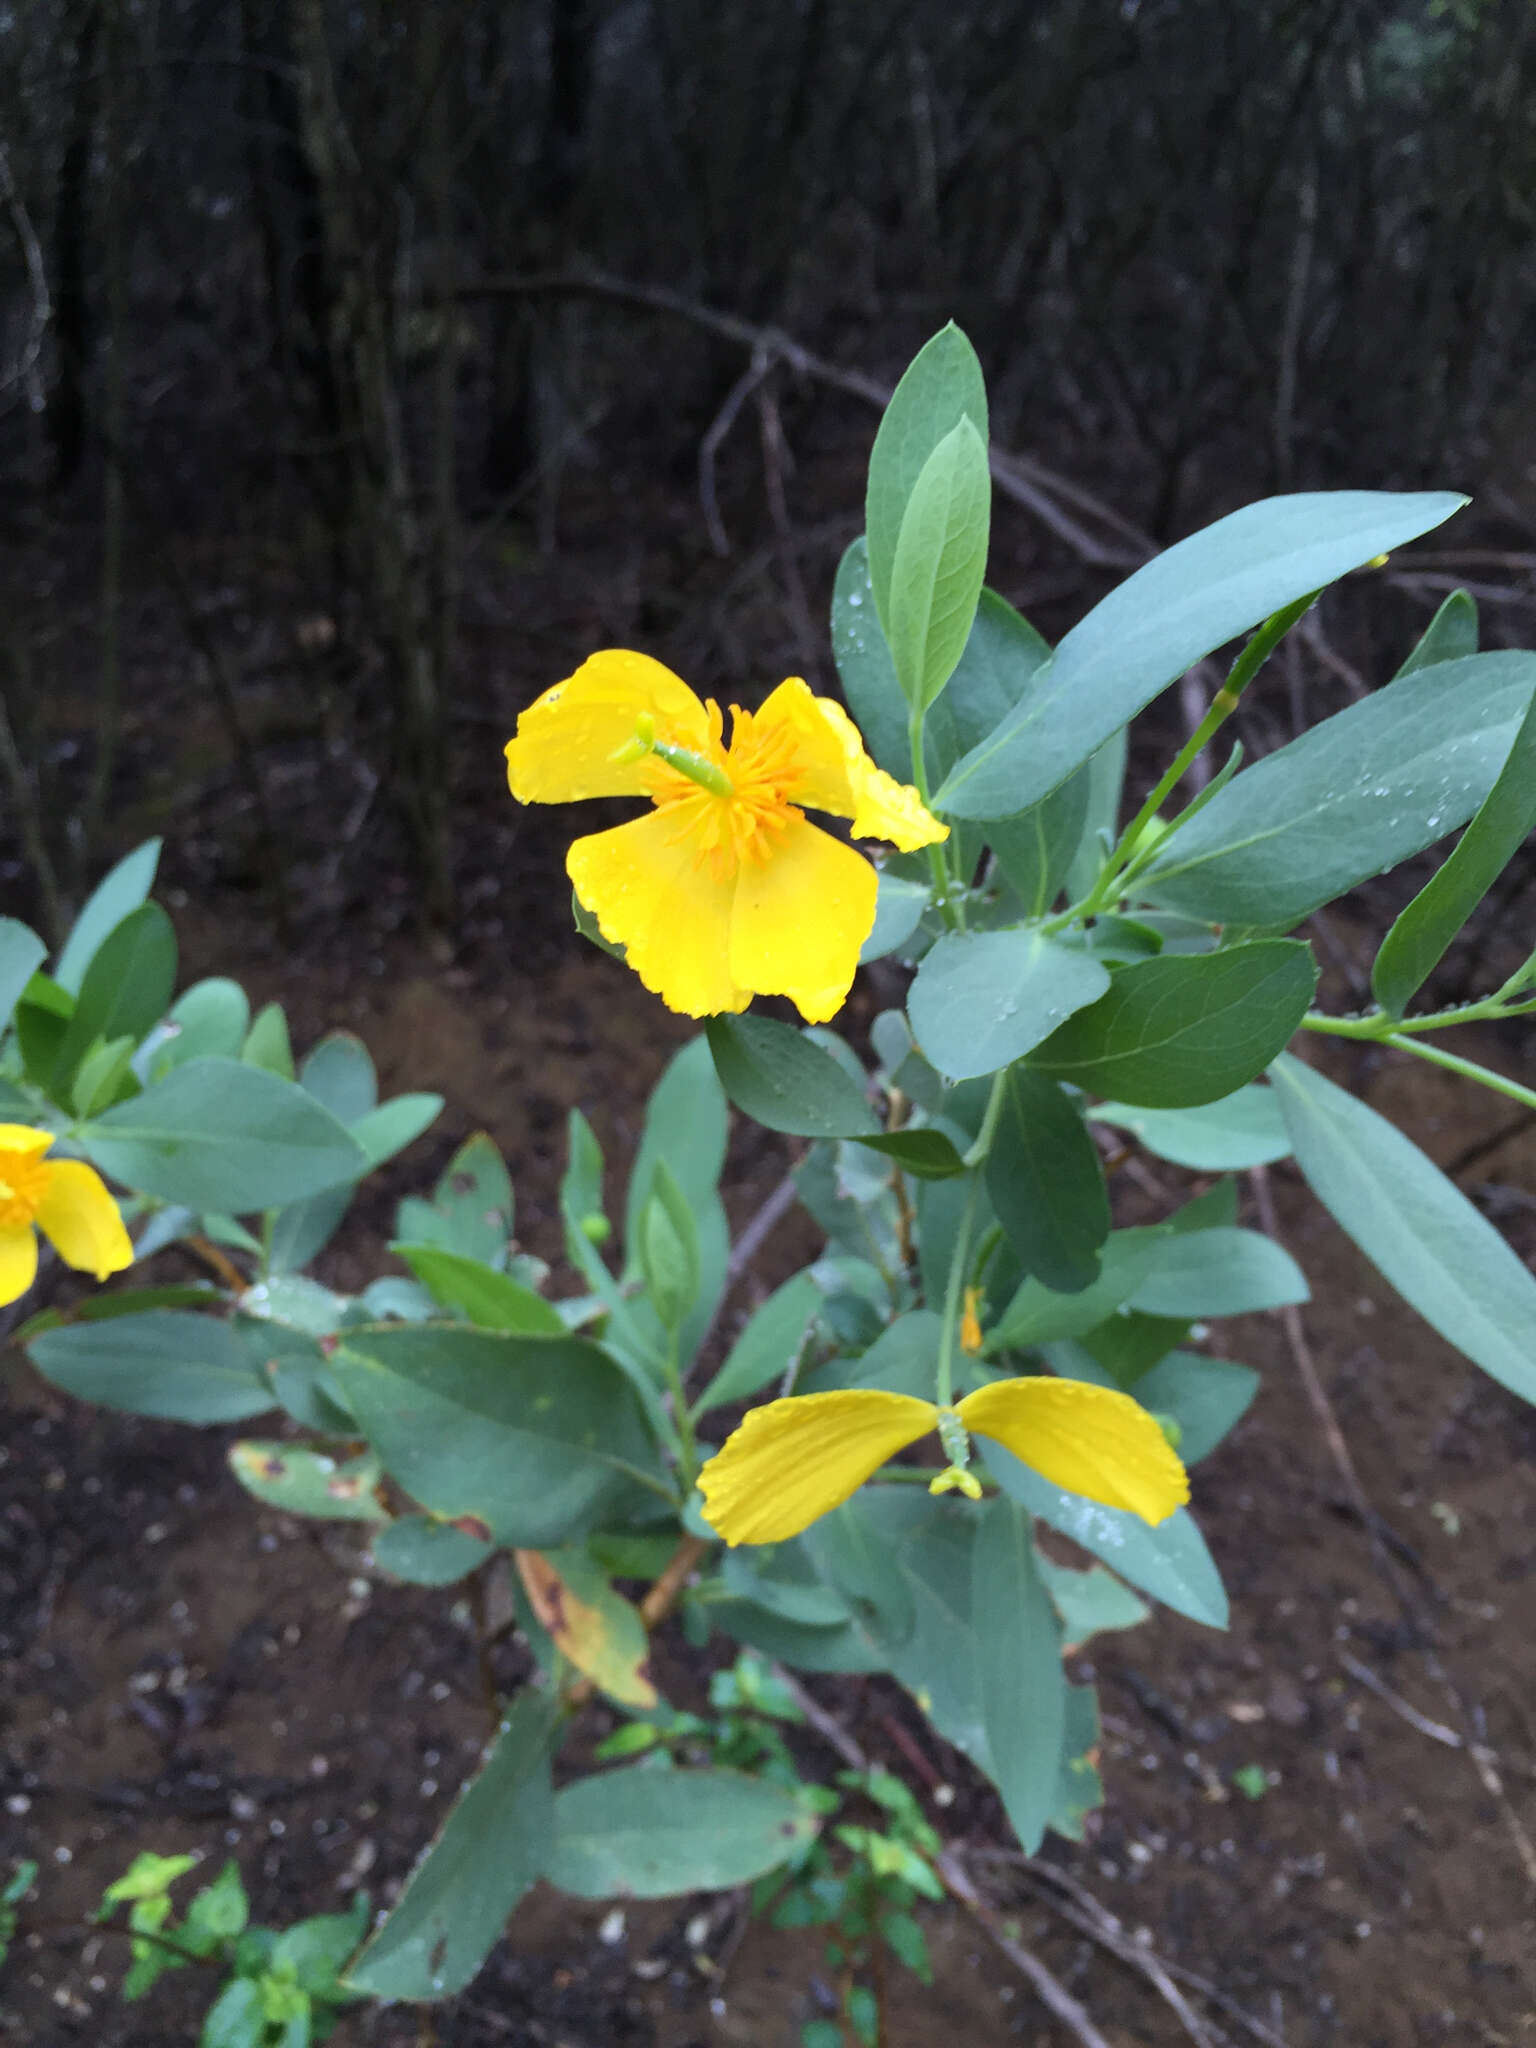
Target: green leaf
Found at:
180, 1367
211, 1017
126, 988
1414, 1225
781, 1079
1450, 635
1170, 1562
942, 385
20, 952
1356, 795
1038, 1315
982, 999
104, 1076
923, 1152
941, 558
899, 1361
649, 1833
1169, 614
1019, 1665
1091, 1602
488, 1854
1079, 1789
669, 1250
267, 1044
849, 1553
426, 1552
237, 2018
1035, 851
145, 1878
1105, 771
767, 1347
119, 892
1221, 1272
1185, 1029
534, 1438
1226, 1136
338, 1071
899, 907
472, 1210
1046, 1183
217, 1134
301, 1481
1206, 1397
686, 1125
1418, 940
491, 1300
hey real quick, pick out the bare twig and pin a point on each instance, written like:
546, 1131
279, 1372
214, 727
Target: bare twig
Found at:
751, 377
1052, 1993
28, 813
1435, 1730
26, 370
775, 462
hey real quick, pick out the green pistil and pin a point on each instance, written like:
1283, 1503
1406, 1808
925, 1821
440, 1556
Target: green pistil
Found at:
697, 767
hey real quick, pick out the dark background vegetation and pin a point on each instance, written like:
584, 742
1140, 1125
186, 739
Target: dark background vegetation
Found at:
361, 367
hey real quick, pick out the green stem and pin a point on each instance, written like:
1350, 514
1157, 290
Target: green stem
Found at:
982, 1148
687, 1442
954, 1295
1468, 1069
1221, 708
944, 892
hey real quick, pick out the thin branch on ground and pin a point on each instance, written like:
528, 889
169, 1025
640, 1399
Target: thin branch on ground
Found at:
720, 426
1052, 1993
1435, 1730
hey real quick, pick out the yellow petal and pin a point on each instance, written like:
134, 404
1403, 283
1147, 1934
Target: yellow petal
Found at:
18, 1263
833, 772
566, 739
800, 919
81, 1221
22, 1138
1089, 1440
792, 1461
651, 894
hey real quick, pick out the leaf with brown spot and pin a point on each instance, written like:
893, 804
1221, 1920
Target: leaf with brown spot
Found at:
596, 1628
302, 1481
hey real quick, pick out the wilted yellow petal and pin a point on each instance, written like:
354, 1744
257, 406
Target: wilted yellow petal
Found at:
567, 738
1089, 1440
81, 1220
22, 1138
833, 772
18, 1263
792, 1461
651, 894
800, 918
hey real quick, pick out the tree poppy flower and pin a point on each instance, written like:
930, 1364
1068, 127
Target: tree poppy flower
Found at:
794, 1460
725, 890
63, 1198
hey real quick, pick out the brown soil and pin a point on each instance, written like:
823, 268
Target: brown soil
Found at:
187, 1671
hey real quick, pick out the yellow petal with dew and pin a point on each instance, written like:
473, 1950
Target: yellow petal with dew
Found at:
792, 1461
24, 1139
81, 1220
18, 1263
834, 773
651, 893
800, 919
1089, 1440
566, 739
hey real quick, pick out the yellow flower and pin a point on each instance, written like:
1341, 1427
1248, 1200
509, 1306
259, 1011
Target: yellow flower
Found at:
66, 1200
725, 890
794, 1460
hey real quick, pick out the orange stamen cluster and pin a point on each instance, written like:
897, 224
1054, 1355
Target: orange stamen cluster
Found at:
742, 829
23, 1183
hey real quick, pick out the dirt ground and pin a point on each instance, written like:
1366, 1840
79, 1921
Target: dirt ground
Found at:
185, 1670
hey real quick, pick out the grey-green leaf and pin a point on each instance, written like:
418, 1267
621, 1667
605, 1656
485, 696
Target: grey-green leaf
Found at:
1353, 797
1185, 1028
1241, 1130
1417, 942
120, 891
1450, 634
217, 1134
982, 999
1414, 1225
1220, 1272
942, 385
491, 1849
1166, 616
1023, 1698
177, 1366
20, 951
941, 557
648, 1833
